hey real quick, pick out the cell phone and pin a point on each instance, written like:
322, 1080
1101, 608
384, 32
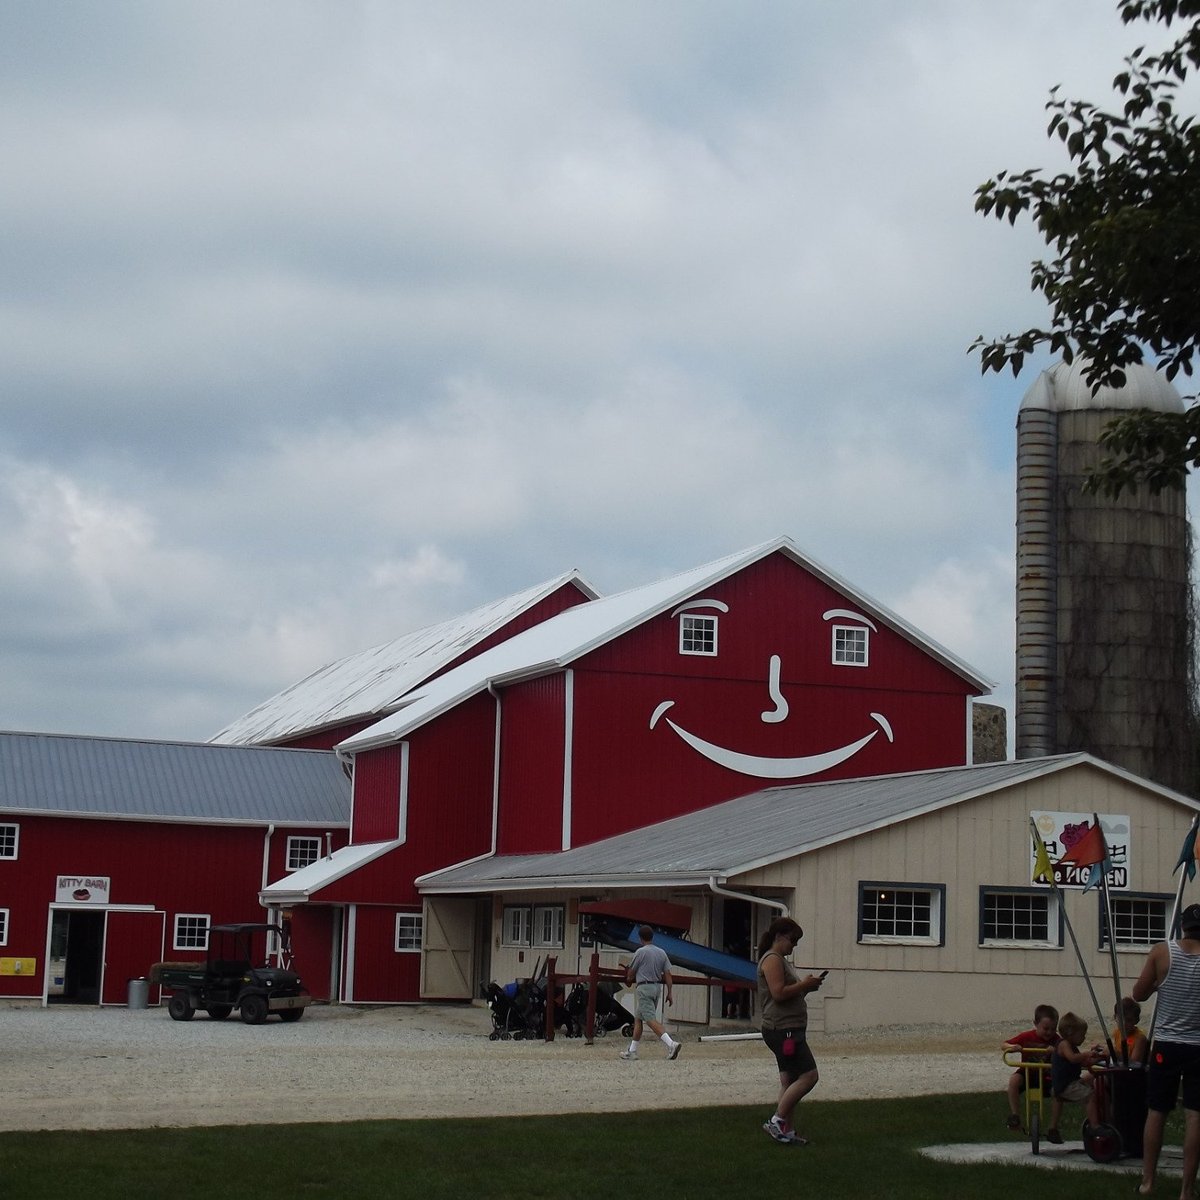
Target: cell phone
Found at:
823, 974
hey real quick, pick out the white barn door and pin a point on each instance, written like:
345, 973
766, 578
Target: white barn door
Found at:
449, 952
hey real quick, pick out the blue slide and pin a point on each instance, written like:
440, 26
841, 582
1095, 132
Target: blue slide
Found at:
616, 931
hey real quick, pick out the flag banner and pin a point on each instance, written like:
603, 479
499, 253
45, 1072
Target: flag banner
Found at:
1080, 852
1187, 855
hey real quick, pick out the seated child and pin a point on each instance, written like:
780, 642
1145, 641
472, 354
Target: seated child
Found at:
1067, 1084
1128, 1013
1041, 1037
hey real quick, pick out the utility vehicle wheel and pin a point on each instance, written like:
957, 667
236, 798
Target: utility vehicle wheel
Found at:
290, 1014
254, 1010
218, 1012
180, 1007
1103, 1143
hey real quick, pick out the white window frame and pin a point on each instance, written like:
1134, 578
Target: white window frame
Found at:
295, 843
413, 925
8, 828
548, 926
1158, 933
936, 894
4, 918
1054, 920
516, 925
704, 646
845, 655
186, 938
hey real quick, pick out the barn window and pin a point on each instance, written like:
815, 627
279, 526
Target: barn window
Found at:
515, 929
8, 840
191, 931
698, 635
302, 852
850, 645
901, 913
548, 924
409, 928
1019, 917
3, 926
1138, 920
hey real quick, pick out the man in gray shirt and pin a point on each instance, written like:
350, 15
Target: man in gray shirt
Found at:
649, 970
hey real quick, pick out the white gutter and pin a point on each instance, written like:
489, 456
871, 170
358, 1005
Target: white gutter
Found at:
491, 687
782, 908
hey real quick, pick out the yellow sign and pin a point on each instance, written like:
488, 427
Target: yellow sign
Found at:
18, 966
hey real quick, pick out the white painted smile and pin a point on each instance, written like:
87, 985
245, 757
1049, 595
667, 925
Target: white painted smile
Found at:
766, 767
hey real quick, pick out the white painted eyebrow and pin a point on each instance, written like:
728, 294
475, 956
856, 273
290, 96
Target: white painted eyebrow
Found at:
846, 614
717, 604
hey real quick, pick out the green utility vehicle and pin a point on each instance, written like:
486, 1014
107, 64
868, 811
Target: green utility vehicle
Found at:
228, 980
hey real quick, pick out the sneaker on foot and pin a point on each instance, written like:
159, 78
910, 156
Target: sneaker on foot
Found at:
629, 1054
1052, 1135
673, 1053
779, 1131
1014, 1122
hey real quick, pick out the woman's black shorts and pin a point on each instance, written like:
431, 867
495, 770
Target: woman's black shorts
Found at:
791, 1050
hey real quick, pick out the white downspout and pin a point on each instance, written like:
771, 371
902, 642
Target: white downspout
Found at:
782, 908
491, 687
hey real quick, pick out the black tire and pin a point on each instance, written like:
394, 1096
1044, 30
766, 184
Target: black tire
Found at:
627, 1031
290, 1014
1035, 1131
180, 1007
254, 1009
494, 1036
218, 1012
1103, 1143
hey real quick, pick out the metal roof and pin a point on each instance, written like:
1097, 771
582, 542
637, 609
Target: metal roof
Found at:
569, 635
1065, 387
300, 885
371, 682
62, 775
755, 830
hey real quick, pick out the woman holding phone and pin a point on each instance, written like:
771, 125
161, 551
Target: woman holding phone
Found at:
783, 1012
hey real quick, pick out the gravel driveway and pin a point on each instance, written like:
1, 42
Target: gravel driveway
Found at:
115, 1068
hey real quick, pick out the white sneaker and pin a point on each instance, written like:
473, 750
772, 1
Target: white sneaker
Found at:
629, 1054
673, 1052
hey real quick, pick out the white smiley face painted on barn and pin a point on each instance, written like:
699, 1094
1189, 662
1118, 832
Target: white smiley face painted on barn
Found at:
768, 766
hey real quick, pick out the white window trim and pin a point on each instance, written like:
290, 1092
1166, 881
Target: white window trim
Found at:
16, 849
1053, 920
716, 629
523, 938
175, 930
848, 662
560, 923
937, 915
5, 917
413, 921
295, 840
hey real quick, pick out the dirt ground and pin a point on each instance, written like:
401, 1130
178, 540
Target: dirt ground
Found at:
118, 1068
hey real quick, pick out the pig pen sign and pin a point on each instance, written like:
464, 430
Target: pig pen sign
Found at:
1062, 831
81, 889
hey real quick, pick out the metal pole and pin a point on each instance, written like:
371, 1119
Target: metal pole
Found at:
1173, 927
1112, 953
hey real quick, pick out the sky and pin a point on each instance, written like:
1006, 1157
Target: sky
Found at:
321, 322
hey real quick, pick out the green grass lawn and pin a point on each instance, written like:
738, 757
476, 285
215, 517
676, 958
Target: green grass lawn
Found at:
859, 1149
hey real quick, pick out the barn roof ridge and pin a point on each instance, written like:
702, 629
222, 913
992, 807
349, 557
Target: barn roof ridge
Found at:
569, 635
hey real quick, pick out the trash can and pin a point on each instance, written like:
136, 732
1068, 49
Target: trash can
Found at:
139, 993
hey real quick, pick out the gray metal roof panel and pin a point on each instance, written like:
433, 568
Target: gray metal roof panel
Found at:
762, 827
171, 781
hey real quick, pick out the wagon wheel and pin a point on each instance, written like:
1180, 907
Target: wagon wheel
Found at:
1103, 1143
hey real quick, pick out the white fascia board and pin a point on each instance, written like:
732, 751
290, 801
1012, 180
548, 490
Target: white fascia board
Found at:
569, 883
144, 819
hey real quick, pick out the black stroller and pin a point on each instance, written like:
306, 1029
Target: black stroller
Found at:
518, 1010
610, 1013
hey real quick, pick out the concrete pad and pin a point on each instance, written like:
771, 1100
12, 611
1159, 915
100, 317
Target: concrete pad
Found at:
1070, 1156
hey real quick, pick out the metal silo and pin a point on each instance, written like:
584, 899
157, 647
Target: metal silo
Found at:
1104, 638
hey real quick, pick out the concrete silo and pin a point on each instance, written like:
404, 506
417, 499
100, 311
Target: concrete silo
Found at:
1104, 628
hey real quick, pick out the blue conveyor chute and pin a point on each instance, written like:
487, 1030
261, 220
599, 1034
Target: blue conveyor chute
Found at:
614, 931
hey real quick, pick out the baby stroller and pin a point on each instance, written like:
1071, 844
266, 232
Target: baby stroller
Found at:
507, 1020
610, 1013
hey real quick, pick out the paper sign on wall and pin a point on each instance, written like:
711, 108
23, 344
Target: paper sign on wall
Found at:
81, 889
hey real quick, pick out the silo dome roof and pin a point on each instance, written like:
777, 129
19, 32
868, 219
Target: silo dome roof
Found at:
1063, 387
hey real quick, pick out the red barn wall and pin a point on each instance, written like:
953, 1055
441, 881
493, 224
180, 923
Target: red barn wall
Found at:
380, 973
532, 751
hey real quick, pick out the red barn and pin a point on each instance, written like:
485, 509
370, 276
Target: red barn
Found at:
609, 716
115, 854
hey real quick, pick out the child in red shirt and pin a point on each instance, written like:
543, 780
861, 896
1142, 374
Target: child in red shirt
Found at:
1043, 1036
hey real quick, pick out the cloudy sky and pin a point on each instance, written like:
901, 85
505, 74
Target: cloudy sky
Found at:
323, 321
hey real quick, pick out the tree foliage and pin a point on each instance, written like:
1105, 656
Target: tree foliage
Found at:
1123, 228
